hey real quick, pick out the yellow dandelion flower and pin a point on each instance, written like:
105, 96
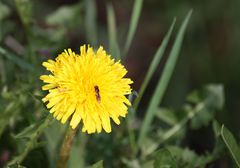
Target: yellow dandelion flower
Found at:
89, 87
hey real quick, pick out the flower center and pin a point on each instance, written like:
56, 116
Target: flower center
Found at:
97, 94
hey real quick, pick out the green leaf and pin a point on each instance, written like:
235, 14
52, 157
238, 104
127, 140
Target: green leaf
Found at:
211, 98
91, 22
112, 33
167, 116
65, 15
212, 95
16, 165
133, 24
216, 128
203, 118
4, 11
147, 164
32, 142
187, 158
99, 164
54, 135
29, 131
10, 110
217, 99
153, 66
133, 163
163, 81
24, 8
199, 114
194, 97
164, 159
231, 144
149, 146
184, 156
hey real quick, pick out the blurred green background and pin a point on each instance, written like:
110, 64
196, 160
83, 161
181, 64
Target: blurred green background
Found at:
210, 52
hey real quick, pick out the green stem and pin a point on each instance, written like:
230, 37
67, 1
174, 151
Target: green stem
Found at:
66, 148
131, 133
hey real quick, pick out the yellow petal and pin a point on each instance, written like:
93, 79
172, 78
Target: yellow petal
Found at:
71, 109
76, 118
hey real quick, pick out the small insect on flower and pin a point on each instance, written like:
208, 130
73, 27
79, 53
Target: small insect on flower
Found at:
88, 87
97, 93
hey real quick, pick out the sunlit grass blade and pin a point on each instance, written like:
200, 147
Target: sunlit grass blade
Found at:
231, 144
133, 24
112, 32
91, 22
163, 81
155, 62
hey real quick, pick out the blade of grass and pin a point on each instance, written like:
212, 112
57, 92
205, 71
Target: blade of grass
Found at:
133, 24
163, 81
231, 144
91, 22
156, 59
112, 32
25, 12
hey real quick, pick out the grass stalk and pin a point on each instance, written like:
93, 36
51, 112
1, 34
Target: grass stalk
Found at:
163, 81
133, 24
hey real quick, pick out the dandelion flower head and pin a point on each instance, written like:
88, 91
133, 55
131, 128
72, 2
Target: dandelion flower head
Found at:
88, 87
